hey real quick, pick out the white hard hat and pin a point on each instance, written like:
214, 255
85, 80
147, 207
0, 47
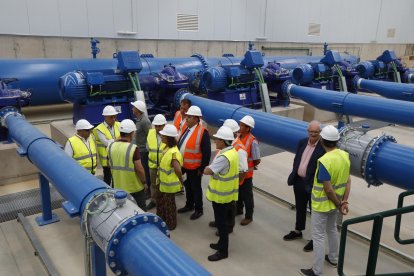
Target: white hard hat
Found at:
159, 120
140, 105
224, 133
83, 124
194, 111
127, 126
109, 110
169, 130
330, 133
232, 124
248, 120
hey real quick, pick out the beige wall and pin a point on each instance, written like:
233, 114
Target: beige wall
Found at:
56, 47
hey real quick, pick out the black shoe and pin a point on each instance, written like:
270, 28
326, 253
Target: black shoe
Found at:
214, 246
196, 215
308, 247
151, 205
292, 236
185, 209
212, 224
217, 256
329, 261
229, 231
307, 272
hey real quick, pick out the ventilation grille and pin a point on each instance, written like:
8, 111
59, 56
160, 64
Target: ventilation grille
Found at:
314, 29
187, 22
391, 33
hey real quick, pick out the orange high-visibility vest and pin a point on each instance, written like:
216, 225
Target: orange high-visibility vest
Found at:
237, 144
192, 150
247, 142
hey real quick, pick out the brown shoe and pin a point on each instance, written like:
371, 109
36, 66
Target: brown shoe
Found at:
246, 221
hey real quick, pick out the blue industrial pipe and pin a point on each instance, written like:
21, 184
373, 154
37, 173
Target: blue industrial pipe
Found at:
40, 76
141, 248
393, 111
386, 161
391, 90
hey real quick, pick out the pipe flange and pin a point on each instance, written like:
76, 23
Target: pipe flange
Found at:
7, 111
200, 73
285, 89
122, 230
370, 155
178, 96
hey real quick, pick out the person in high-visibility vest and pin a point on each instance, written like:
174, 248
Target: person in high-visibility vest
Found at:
170, 177
125, 162
223, 188
194, 144
155, 147
308, 151
243, 167
82, 146
179, 117
330, 192
105, 133
253, 160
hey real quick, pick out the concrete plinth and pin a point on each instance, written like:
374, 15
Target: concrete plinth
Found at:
313, 113
60, 131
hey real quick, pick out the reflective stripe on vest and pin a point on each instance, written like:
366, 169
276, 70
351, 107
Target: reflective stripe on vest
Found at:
169, 181
87, 158
102, 151
247, 142
337, 163
120, 155
225, 188
192, 150
154, 150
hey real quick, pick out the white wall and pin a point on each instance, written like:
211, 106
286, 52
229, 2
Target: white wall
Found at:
352, 21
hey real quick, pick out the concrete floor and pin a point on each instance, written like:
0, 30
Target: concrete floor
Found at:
254, 249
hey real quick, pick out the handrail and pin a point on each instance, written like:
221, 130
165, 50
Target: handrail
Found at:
376, 234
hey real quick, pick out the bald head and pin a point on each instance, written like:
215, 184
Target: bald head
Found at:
314, 129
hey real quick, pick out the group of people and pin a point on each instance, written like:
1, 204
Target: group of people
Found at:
168, 157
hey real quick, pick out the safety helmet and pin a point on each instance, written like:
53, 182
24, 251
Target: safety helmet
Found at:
127, 126
83, 124
140, 105
248, 120
109, 110
169, 130
224, 133
194, 111
330, 133
232, 124
159, 120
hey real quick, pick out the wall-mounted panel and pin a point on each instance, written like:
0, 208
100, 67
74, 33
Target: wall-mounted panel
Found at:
44, 17
13, 17
73, 18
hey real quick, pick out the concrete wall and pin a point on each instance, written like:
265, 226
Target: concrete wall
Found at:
56, 47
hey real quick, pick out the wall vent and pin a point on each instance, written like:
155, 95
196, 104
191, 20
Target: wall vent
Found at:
391, 33
314, 29
187, 22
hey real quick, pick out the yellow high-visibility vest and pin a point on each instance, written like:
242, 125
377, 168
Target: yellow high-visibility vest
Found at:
169, 181
225, 188
102, 152
154, 150
85, 157
120, 156
337, 163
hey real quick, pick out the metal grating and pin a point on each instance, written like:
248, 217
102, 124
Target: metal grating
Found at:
27, 202
314, 29
187, 22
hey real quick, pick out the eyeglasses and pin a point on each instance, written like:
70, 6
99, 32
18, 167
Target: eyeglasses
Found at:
313, 131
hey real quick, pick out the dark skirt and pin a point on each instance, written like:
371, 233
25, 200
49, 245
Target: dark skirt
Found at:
166, 209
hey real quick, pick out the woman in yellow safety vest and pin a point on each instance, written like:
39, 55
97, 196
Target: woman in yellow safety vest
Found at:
169, 176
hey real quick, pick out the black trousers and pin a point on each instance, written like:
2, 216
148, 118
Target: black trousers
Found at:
221, 214
302, 199
107, 176
246, 198
193, 190
144, 162
140, 199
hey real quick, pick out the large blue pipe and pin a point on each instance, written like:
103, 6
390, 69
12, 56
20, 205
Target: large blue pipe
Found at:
377, 108
391, 163
145, 249
391, 90
41, 76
